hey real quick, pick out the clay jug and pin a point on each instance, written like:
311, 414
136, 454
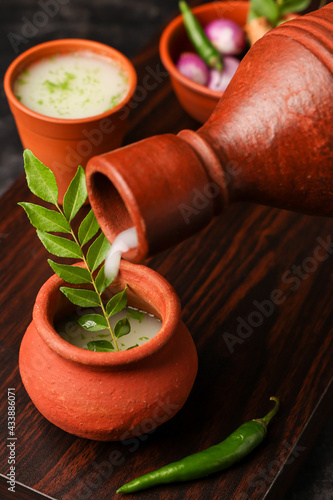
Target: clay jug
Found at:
269, 141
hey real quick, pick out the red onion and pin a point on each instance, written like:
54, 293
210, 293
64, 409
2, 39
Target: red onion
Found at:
227, 36
193, 67
219, 80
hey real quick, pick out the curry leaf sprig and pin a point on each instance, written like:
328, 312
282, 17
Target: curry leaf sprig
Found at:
273, 11
41, 182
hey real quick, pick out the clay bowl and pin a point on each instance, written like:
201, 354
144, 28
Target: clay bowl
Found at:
109, 396
63, 144
197, 100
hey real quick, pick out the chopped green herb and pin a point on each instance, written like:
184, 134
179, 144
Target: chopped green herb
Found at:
51, 86
124, 76
132, 347
64, 85
115, 99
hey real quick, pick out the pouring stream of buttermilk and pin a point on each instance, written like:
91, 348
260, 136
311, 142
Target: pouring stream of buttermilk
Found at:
125, 241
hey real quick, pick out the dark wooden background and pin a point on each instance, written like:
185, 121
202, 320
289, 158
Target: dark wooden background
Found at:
240, 258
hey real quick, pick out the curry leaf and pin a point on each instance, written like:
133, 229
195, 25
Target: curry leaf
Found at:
288, 6
117, 303
71, 274
101, 281
45, 219
136, 314
122, 328
266, 8
40, 179
252, 14
97, 251
88, 228
100, 346
81, 297
75, 195
62, 247
93, 322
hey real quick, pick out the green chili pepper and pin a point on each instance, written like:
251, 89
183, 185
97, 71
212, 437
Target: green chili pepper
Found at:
201, 43
214, 459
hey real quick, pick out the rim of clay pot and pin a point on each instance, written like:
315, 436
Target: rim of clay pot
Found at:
66, 45
169, 31
138, 277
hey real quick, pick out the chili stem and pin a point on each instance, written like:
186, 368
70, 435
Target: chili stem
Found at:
267, 418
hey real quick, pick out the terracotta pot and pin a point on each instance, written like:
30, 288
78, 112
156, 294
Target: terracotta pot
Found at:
197, 100
63, 144
109, 396
269, 141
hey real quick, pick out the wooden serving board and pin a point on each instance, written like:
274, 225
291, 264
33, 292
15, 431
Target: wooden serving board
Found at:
226, 276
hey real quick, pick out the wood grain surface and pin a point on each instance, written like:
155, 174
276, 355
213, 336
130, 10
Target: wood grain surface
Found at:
223, 276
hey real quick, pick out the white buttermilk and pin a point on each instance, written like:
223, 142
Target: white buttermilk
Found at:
72, 86
124, 241
142, 329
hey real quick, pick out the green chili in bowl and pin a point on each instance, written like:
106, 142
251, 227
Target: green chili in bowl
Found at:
199, 39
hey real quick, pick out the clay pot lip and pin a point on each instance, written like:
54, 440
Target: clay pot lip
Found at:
168, 33
53, 47
43, 321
